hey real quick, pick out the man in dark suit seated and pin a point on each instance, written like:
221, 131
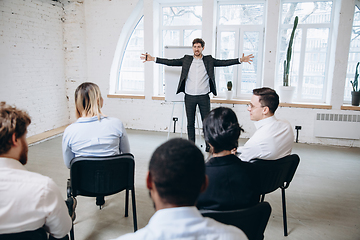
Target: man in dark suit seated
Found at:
28, 201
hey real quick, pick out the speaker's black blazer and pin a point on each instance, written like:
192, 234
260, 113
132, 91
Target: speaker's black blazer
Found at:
209, 63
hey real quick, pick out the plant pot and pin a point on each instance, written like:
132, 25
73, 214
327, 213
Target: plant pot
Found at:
355, 98
286, 93
229, 95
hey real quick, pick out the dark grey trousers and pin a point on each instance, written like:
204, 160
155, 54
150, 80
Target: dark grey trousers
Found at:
191, 101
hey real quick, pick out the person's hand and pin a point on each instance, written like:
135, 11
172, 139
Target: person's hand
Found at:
247, 58
147, 57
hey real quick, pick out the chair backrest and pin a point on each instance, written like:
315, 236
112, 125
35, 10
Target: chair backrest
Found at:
272, 174
39, 234
252, 221
94, 176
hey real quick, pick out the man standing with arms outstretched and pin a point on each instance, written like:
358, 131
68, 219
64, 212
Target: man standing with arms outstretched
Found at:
197, 79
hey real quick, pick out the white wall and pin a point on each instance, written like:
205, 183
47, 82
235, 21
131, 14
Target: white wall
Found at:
61, 55
32, 61
154, 114
75, 51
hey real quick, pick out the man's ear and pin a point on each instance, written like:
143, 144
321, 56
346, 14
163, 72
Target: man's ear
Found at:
14, 140
266, 110
149, 183
205, 184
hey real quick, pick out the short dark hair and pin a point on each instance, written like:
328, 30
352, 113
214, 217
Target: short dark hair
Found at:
12, 120
268, 98
221, 129
177, 168
199, 40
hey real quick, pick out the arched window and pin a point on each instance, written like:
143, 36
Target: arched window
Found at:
127, 70
131, 71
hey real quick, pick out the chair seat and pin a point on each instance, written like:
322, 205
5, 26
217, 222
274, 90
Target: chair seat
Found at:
252, 221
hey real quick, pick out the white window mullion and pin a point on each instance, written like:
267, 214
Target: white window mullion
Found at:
302, 63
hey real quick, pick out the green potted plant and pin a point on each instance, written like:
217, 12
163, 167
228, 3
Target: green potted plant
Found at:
287, 91
229, 90
355, 94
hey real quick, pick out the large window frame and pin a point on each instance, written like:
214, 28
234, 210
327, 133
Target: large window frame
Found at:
299, 54
180, 28
239, 71
354, 53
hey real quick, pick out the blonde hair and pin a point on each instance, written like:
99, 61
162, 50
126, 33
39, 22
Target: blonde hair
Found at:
88, 100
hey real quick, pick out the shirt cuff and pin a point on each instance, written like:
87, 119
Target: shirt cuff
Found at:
240, 60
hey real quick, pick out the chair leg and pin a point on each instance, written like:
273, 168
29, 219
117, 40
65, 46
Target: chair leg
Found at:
134, 208
72, 232
68, 188
127, 203
284, 212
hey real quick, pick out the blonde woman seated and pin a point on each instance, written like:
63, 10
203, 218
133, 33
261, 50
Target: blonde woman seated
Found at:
231, 181
93, 134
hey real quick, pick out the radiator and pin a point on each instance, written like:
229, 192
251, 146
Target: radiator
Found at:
333, 125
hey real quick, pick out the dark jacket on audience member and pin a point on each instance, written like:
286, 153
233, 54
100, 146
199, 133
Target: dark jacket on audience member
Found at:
231, 185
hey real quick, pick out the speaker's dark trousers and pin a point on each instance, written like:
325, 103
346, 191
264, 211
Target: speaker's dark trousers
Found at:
191, 101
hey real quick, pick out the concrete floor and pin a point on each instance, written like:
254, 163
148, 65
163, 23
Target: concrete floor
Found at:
323, 200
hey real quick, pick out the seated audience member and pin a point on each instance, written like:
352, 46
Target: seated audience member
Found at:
28, 201
273, 138
93, 134
176, 177
231, 181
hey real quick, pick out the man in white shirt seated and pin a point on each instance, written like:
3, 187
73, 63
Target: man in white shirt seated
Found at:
28, 201
273, 138
175, 179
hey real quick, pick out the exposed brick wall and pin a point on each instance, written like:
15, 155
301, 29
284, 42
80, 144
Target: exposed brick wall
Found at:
75, 51
32, 61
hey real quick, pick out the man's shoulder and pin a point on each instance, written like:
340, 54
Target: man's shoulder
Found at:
21, 178
223, 230
33, 177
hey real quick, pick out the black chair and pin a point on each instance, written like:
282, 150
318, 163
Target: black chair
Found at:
38, 234
274, 174
103, 176
252, 221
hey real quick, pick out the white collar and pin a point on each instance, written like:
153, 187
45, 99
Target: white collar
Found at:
169, 214
89, 119
11, 163
262, 122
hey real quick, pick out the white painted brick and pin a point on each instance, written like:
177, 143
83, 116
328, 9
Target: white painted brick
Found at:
32, 67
